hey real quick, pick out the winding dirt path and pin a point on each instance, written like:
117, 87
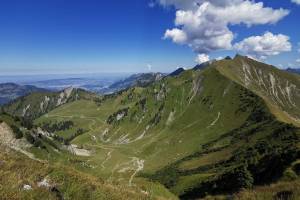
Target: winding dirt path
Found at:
108, 156
136, 164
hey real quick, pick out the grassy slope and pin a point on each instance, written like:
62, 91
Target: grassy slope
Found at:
36, 104
184, 134
195, 121
279, 89
66, 183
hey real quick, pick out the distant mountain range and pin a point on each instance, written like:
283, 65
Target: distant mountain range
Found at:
104, 85
10, 91
140, 80
94, 84
177, 72
293, 70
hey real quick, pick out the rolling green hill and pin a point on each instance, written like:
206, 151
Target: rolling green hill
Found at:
211, 131
39, 103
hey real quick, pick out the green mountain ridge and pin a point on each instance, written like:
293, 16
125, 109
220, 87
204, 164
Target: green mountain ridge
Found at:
280, 89
38, 103
212, 131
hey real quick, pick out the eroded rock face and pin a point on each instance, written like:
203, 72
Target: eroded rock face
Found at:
64, 96
77, 151
280, 90
8, 140
44, 104
25, 110
7, 135
196, 89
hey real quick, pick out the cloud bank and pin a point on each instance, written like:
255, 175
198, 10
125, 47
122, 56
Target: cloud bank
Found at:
296, 1
202, 58
264, 46
204, 25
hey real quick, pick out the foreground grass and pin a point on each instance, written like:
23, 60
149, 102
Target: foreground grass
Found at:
17, 171
278, 191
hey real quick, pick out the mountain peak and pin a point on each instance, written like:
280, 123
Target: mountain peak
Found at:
177, 72
239, 56
293, 70
277, 87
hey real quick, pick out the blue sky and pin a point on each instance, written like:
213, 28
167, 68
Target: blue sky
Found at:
92, 36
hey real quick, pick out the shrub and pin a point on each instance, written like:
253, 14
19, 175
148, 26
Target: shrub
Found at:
244, 178
29, 138
27, 123
296, 168
17, 132
289, 175
59, 126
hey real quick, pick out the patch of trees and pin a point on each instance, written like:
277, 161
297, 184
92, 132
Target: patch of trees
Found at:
17, 132
24, 122
50, 142
261, 163
27, 123
142, 104
34, 139
250, 102
59, 126
206, 101
258, 163
113, 118
168, 176
228, 182
66, 141
157, 117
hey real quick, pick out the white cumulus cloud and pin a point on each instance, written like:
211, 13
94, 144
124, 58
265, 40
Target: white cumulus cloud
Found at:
202, 58
178, 36
191, 4
296, 1
264, 45
204, 25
